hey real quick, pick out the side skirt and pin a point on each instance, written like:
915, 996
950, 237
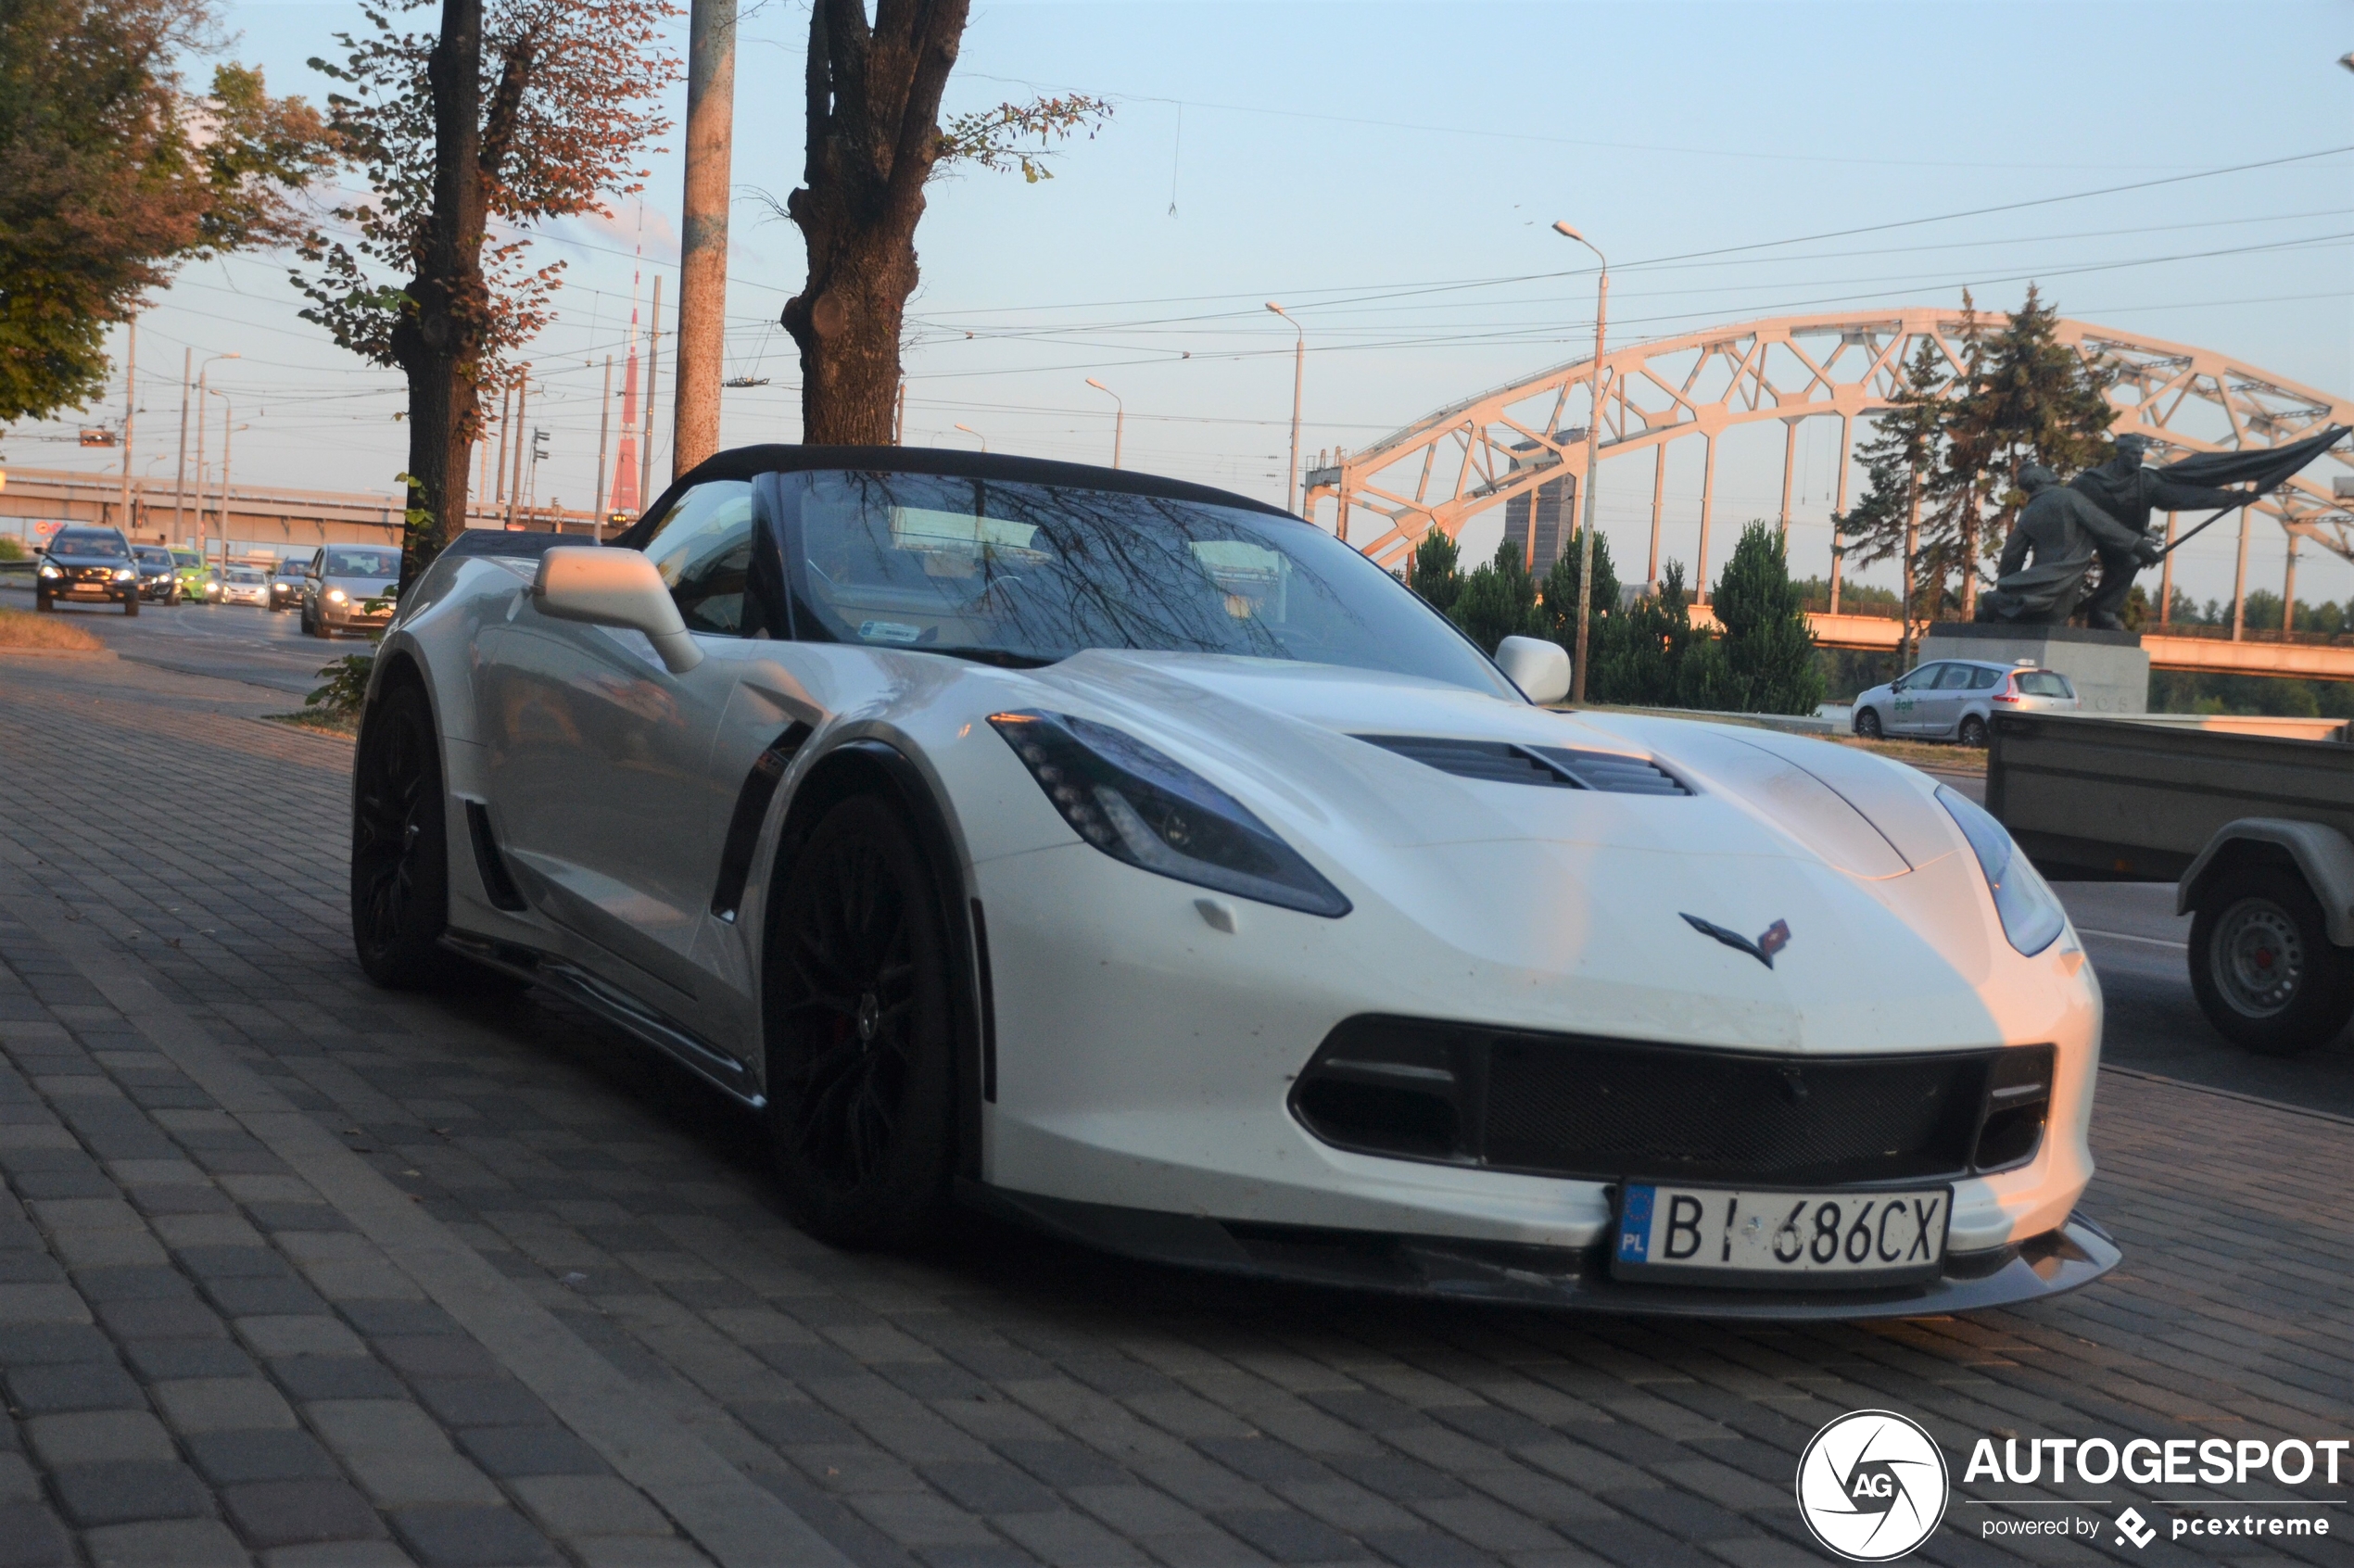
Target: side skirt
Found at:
720, 1068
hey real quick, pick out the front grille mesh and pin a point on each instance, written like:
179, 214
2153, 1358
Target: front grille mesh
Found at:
1635, 1110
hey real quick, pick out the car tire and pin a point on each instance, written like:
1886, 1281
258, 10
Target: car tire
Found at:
2262, 964
399, 854
1867, 723
42, 604
130, 604
861, 1076
320, 629
1973, 731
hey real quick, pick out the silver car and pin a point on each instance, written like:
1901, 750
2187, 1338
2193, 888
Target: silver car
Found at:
348, 588
1953, 700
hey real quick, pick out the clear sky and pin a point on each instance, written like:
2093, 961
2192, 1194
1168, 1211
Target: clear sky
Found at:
1310, 154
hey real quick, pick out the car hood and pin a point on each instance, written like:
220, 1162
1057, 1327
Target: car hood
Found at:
1553, 886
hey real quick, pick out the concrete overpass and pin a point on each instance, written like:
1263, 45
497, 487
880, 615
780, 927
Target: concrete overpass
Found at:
2265, 653
252, 519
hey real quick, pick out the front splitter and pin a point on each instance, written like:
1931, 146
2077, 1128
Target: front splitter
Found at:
1562, 1279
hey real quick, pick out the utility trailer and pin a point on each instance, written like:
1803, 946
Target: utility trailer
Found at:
2256, 832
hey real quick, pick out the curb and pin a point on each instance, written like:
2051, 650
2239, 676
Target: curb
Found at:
99, 653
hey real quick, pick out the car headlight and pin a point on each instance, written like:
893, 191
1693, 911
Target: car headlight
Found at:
334, 596
1136, 804
49, 571
2031, 915
124, 574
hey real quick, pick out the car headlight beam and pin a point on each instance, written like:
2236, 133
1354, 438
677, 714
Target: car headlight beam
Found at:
2030, 912
1138, 805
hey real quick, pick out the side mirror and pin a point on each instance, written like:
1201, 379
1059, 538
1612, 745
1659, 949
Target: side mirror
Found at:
615, 588
1537, 666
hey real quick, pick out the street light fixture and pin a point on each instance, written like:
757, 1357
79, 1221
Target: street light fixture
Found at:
1118, 418
1593, 467
976, 435
1299, 369
228, 430
180, 485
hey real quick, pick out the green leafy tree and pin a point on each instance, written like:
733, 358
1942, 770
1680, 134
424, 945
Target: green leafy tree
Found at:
1434, 572
1560, 596
1499, 600
1768, 651
113, 172
1640, 661
1898, 460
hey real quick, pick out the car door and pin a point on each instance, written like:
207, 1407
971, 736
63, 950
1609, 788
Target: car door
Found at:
1940, 709
1907, 695
599, 757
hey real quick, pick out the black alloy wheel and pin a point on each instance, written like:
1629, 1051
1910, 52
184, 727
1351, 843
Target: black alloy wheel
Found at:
2262, 964
861, 1079
400, 859
1867, 723
1973, 730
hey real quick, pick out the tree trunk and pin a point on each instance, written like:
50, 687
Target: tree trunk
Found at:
438, 340
873, 136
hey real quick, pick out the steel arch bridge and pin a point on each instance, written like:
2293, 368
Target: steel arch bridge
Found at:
1505, 444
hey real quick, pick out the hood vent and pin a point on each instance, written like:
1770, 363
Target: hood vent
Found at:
1552, 767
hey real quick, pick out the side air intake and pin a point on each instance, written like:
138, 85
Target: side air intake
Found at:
1551, 767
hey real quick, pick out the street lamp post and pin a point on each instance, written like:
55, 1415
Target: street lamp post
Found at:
976, 435
1118, 417
1593, 466
180, 485
1298, 371
228, 429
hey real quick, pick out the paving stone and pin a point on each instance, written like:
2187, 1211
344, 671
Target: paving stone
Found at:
74, 1386
121, 1491
567, 1506
268, 1454
32, 1537
32, 1344
159, 1360
636, 1551
336, 1377
273, 1513
178, 1543
339, 1554
480, 1401
509, 1451
471, 1537
222, 1404
96, 1436
305, 1335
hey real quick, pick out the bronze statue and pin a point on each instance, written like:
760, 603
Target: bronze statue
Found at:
2066, 531
2129, 492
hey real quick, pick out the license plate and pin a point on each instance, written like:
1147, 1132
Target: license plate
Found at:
1719, 1235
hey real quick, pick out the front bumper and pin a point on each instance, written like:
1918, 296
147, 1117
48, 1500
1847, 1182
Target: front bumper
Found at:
1562, 1279
107, 592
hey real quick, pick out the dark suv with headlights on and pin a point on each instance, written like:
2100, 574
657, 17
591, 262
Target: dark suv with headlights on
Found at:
285, 583
84, 564
158, 573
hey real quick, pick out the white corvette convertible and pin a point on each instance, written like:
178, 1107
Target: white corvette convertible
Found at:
1141, 863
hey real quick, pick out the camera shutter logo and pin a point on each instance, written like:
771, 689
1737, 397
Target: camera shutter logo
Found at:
1871, 1486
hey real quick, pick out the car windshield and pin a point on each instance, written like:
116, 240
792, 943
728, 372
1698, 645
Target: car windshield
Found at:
186, 559
293, 568
153, 557
1031, 573
362, 563
244, 575
87, 545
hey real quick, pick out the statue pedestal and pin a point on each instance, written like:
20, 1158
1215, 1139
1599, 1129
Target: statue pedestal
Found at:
2110, 670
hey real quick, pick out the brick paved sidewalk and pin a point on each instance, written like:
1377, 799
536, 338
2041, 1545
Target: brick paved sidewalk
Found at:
292, 1270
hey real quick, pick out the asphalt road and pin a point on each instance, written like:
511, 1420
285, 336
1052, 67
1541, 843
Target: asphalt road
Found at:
227, 641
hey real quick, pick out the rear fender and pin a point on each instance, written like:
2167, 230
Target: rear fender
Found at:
2320, 852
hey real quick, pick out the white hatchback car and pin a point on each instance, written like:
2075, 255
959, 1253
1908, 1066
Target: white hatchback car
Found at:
1141, 863
1955, 698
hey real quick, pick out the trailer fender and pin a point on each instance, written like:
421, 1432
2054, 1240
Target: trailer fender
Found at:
2320, 853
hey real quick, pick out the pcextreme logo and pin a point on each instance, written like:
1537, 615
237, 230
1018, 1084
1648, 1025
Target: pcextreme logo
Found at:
1871, 1486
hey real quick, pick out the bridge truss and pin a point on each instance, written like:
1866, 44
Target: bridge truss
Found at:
1487, 451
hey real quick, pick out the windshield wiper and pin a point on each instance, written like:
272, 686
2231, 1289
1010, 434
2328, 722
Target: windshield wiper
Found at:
1003, 658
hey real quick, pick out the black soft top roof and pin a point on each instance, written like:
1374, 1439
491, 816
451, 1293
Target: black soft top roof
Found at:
746, 463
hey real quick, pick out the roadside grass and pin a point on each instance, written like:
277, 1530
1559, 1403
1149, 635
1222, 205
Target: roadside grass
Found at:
1924, 754
22, 628
320, 722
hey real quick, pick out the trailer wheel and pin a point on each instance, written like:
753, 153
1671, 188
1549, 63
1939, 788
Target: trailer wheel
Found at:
2262, 964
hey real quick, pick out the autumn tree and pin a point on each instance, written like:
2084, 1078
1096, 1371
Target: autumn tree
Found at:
875, 140
113, 172
514, 113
